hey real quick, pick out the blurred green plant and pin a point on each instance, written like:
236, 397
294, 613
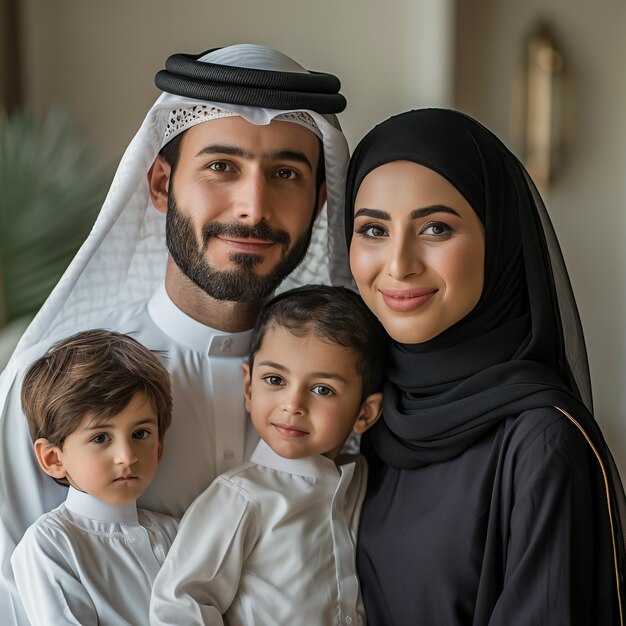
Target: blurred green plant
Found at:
51, 188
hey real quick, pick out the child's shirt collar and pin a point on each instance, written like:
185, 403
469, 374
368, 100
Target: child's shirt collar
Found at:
83, 504
317, 466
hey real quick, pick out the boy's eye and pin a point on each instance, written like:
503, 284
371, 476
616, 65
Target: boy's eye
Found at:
142, 433
100, 438
322, 390
273, 380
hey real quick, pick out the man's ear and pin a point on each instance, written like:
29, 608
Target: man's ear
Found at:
321, 198
159, 183
50, 458
369, 412
247, 383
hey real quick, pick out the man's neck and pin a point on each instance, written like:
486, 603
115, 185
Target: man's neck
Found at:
230, 317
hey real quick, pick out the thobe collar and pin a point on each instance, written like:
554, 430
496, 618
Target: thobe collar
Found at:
193, 334
318, 467
83, 504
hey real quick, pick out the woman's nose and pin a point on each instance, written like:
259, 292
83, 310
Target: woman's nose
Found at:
404, 258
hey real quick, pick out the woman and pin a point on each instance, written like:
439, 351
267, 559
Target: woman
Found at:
493, 499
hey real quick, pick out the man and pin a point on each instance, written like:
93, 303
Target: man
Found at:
243, 136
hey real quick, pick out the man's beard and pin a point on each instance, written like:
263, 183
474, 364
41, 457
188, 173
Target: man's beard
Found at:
239, 284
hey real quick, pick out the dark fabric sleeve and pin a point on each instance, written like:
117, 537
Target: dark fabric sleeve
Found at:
549, 528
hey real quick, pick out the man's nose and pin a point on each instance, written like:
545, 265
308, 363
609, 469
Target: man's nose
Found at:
253, 203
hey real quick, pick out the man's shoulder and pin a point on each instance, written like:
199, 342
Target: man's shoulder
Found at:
132, 319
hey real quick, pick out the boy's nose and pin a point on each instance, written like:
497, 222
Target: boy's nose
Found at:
124, 454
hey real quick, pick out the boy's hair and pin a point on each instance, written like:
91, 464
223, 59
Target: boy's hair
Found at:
335, 314
95, 371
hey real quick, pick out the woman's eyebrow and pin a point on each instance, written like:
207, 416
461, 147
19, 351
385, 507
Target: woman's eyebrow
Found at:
415, 214
429, 210
377, 213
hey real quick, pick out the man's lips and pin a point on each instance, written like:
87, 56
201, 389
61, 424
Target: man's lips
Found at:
247, 244
406, 300
289, 431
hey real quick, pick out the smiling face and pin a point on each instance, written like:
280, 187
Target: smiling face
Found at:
417, 251
240, 205
304, 395
113, 458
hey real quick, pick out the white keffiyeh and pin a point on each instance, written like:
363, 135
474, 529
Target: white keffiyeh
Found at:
124, 257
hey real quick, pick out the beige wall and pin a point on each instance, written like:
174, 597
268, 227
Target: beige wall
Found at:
99, 58
588, 199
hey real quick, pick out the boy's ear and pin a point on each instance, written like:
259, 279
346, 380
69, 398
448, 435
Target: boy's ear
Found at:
50, 458
247, 382
159, 183
369, 413
160, 452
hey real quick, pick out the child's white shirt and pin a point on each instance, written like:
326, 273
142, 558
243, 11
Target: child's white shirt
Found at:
271, 542
88, 562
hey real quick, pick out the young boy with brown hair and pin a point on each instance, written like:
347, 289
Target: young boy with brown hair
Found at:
98, 405
273, 541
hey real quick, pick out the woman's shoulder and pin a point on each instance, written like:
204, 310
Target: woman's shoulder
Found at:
547, 436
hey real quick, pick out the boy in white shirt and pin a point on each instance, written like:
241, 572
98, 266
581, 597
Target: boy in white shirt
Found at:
98, 405
273, 541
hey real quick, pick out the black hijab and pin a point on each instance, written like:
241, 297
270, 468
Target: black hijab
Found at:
522, 346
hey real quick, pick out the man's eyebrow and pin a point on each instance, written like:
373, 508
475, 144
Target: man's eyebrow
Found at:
272, 155
415, 214
217, 148
289, 155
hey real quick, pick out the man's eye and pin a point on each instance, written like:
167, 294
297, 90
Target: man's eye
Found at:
220, 166
322, 390
286, 173
274, 380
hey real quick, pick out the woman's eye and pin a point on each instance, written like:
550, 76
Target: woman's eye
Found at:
322, 390
373, 231
101, 438
142, 433
286, 173
274, 380
437, 229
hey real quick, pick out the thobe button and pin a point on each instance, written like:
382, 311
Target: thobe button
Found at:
229, 455
348, 620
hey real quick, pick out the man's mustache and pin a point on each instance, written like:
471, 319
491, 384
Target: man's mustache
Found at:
260, 231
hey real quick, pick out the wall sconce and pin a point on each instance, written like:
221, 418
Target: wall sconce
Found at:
544, 106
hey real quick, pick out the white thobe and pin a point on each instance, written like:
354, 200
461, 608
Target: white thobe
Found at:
272, 542
88, 562
208, 434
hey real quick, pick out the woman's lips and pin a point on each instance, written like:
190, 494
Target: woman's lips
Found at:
406, 300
